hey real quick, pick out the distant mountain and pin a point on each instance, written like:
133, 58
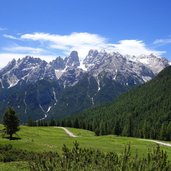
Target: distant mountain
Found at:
142, 112
40, 90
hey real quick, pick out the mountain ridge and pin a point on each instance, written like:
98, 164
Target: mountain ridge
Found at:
142, 112
98, 79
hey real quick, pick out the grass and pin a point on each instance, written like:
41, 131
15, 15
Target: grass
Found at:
14, 166
115, 143
81, 132
39, 139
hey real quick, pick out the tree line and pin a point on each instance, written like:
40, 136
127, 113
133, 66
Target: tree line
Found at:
143, 112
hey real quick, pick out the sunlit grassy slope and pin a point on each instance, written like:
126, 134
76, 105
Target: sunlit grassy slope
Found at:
40, 139
52, 139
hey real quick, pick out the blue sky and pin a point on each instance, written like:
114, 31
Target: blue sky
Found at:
48, 28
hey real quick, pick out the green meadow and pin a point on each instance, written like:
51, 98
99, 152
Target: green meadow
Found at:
40, 139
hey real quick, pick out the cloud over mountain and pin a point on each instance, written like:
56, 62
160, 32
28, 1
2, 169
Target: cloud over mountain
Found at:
50, 45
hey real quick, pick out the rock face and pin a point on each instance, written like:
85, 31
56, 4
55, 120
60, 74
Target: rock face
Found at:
72, 60
153, 62
58, 63
38, 89
118, 67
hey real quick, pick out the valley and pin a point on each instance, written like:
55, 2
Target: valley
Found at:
142, 112
85, 85
44, 139
129, 121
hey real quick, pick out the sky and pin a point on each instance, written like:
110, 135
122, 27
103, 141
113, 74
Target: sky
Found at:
51, 28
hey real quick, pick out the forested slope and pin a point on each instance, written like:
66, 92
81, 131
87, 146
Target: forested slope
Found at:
142, 112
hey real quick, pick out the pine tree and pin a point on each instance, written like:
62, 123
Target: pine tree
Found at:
11, 122
30, 122
52, 122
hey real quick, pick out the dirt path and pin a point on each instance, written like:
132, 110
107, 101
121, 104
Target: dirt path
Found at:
155, 141
68, 132
158, 142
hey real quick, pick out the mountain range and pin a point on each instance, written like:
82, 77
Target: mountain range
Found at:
144, 112
39, 90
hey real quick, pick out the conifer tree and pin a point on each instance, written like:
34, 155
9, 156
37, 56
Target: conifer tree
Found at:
11, 122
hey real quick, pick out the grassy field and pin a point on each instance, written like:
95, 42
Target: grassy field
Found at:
39, 139
14, 166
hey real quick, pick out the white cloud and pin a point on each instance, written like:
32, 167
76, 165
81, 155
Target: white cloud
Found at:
6, 57
24, 49
17, 52
82, 42
162, 42
134, 47
10, 37
66, 40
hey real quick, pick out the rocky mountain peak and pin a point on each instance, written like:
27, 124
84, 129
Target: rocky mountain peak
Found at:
92, 52
72, 60
152, 61
8, 67
30, 60
66, 86
121, 68
58, 63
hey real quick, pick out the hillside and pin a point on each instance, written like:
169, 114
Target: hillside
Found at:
46, 139
143, 112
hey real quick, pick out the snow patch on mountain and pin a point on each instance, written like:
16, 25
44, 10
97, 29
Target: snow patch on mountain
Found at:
42, 108
98, 85
24, 101
12, 81
68, 71
153, 62
54, 95
82, 66
92, 100
59, 73
1, 83
45, 112
49, 108
45, 116
146, 78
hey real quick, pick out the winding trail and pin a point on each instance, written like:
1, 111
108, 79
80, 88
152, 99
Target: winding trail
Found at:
68, 132
158, 142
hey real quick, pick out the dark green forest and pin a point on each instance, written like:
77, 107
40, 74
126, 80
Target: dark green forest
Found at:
143, 112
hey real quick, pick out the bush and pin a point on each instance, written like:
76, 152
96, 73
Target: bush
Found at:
77, 159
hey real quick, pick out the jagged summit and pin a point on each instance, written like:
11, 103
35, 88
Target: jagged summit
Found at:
58, 63
154, 62
66, 85
72, 60
122, 68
